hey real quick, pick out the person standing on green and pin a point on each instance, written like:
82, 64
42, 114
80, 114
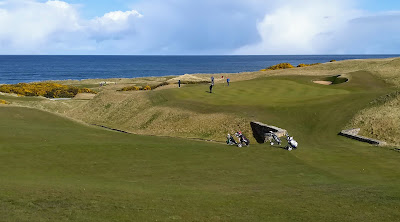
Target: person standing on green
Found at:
227, 81
179, 83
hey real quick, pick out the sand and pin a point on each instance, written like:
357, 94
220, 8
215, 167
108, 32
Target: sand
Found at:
323, 82
188, 78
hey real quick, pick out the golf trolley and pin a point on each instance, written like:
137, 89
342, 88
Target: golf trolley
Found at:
292, 144
242, 140
230, 140
272, 138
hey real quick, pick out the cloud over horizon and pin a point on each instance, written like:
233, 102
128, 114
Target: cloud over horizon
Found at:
198, 27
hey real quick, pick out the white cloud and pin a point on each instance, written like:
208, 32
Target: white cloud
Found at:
56, 27
301, 27
113, 25
115, 21
28, 28
198, 27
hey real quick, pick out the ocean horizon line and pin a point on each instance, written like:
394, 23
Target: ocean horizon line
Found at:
34, 68
390, 54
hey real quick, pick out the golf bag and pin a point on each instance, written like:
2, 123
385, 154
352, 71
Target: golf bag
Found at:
242, 139
292, 144
230, 140
271, 137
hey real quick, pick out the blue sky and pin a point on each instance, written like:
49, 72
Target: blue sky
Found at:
383, 5
198, 27
99, 7
92, 8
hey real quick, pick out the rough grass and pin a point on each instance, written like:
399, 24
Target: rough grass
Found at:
382, 120
57, 170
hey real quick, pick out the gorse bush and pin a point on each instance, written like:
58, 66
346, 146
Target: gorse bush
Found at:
288, 66
279, 66
130, 88
135, 88
305, 65
147, 87
49, 90
3, 102
332, 60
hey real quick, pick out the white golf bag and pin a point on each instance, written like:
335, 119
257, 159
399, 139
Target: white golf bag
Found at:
292, 144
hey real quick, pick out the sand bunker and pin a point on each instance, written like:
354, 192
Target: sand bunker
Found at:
188, 78
323, 82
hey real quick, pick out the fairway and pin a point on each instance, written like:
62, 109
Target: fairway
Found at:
56, 169
53, 169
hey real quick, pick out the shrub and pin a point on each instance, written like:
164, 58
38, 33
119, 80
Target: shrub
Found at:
130, 88
305, 65
159, 85
3, 102
147, 87
49, 90
332, 60
195, 82
279, 66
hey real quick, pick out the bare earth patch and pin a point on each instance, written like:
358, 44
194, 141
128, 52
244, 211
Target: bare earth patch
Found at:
84, 96
323, 82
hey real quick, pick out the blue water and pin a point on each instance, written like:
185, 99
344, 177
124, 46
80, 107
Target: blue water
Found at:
15, 69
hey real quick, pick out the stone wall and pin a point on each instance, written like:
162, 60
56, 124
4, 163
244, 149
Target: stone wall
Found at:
260, 129
353, 134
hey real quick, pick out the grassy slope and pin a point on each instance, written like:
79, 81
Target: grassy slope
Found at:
382, 120
154, 112
193, 112
54, 169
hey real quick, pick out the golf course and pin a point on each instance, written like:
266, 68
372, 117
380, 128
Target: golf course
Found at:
174, 164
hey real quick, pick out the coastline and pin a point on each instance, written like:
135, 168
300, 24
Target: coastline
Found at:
81, 68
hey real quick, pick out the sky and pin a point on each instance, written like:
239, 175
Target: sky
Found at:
199, 27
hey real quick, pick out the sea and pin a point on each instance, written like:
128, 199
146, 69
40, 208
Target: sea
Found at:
33, 68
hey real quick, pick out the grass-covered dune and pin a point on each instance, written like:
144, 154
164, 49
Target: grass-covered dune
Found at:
173, 112
58, 169
54, 169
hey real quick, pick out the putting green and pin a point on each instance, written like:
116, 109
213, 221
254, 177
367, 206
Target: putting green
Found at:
265, 92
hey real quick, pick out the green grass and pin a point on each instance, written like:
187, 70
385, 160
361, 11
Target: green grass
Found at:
53, 169
21, 98
264, 92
